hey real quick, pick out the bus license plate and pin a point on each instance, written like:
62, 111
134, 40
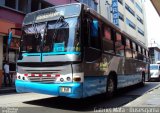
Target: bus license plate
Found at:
65, 89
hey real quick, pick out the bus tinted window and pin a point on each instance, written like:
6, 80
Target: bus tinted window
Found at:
95, 35
128, 50
134, 50
119, 47
107, 41
140, 55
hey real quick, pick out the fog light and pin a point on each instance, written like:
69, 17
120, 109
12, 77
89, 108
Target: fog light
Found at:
19, 77
23, 78
68, 78
61, 79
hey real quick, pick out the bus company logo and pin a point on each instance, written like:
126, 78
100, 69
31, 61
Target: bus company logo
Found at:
49, 15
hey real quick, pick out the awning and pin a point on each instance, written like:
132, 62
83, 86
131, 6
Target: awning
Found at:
156, 4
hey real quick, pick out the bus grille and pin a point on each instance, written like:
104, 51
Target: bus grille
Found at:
41, 79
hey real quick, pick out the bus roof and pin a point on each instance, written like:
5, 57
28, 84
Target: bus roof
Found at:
52, 13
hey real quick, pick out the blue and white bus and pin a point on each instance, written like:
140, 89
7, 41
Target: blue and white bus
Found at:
72, 51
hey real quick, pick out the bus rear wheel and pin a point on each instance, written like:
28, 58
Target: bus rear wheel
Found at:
111, 87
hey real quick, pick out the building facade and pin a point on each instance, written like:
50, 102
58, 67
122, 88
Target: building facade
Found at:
154, 50
128, 15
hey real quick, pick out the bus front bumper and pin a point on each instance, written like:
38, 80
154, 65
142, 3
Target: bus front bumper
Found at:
75, 89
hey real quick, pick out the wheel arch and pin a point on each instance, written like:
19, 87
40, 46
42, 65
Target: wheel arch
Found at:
113, 74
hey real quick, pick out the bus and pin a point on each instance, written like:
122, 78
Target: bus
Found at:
72, 51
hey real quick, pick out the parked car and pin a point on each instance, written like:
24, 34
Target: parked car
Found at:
155, 72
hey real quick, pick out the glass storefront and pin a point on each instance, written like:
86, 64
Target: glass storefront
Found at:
12, 54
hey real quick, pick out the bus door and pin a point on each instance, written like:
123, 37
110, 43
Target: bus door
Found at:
92, 49
92, 41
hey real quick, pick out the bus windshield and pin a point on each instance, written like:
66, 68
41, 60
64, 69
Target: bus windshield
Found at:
60, 35
154, 67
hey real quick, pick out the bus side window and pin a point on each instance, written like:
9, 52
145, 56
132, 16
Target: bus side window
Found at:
134, 50
144, 55
108, 44
119, 45
128, 49
95, 39
140, 55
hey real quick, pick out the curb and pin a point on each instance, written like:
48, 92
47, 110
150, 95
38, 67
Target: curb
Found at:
154, 88
7, 90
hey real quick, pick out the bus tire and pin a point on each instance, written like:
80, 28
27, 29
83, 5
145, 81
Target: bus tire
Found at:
111, 86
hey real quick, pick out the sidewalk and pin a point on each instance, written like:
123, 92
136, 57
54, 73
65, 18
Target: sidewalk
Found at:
5, 90
149, 99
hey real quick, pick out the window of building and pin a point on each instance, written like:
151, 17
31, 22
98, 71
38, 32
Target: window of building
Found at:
140, 31
22, 5
132, 1
120, 1
45, 5
130, 23
91, 3
139, 19
121, 16
129, 9
35, 5
10, 3
139, 8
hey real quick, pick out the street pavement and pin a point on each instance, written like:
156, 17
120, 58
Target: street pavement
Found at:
128, 97
149, 99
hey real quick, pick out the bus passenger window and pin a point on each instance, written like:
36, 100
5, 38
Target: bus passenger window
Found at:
119, 46
108, 44
140, 55
134, 50
95, 35
128, 49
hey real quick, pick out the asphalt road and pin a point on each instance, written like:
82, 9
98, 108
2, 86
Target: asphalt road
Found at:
37, 103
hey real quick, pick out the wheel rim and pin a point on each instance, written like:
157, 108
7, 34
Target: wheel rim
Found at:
110, 86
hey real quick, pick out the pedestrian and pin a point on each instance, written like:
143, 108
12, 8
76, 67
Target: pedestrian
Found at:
6, 74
